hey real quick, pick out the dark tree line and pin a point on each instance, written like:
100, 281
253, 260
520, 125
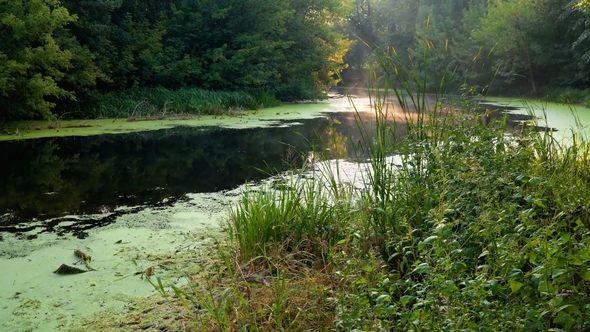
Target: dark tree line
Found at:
53, 50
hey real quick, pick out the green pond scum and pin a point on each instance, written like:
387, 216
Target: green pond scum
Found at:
235, 119
562, 117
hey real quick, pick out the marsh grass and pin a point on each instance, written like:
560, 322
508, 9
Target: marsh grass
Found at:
303, 215
479, 228
150, 102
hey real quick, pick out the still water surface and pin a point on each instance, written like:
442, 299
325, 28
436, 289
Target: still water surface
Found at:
51, 179
46, 182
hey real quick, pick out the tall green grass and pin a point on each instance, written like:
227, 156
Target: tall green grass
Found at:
302, 216
155, 101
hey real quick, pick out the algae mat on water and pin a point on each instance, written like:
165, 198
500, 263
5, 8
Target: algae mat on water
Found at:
175, 244
562, 117
241, 119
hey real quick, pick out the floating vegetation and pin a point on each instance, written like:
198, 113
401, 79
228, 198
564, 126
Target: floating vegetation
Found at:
66, 269
149, 272
84, 257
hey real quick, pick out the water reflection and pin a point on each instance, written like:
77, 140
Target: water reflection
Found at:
48, 178
45, 180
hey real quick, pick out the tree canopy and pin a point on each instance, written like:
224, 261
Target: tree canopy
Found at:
77, 49
31, 59
524, 46
59, 53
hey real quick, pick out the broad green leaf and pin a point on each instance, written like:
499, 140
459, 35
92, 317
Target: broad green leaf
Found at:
562, 308
564, 318
458, 267
533, 256
361, 281
429, 239
584, 254
368, 268
421, 269
564, 237
514, 273
546, 287
406, 299
450, 288
585, 274
558, 272
383, 298
515, 286
574, 260
535, 181
540, 203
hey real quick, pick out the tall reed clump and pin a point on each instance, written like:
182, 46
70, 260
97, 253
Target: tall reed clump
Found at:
303, 215
153, 101
274, 265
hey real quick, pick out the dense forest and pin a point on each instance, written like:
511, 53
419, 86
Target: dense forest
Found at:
56, 56
529, 47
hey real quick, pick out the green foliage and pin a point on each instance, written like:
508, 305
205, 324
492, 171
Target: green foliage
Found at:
517, 31
530, 44
302, 216
463, 223
31, 61
290, 49
225, 45
476, 228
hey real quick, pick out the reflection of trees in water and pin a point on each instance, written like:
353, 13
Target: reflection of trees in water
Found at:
350, 129
97, 174
31, 172
333, 142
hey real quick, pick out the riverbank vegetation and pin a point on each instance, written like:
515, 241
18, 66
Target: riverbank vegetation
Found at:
71, 59
462, 224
